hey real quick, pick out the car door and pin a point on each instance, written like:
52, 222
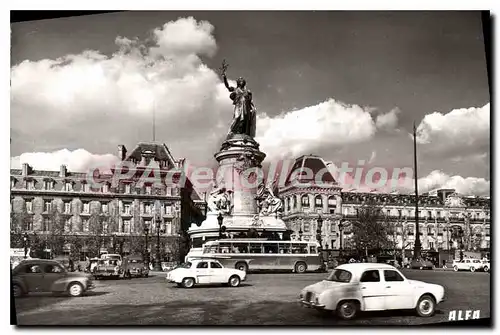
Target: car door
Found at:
32, 276
202, 273
217, 273
398, 292
372, 290
51, 273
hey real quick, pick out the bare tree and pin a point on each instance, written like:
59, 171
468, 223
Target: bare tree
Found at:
56, 231
370, 230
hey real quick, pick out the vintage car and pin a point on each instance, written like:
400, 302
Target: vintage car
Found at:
113, 257
48, 276
134, 266
468, 264
486, 265
205, 271
421, 264
357, 287
107, 268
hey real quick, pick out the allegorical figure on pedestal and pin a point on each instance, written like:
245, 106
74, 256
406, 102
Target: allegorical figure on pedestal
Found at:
267, 202
219, 201
244, 117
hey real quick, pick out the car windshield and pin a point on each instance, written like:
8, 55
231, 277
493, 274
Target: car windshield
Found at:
339, 275
186, 265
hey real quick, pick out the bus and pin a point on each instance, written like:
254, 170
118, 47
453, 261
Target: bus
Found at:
263, 254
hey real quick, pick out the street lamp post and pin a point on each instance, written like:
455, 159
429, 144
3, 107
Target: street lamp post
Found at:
220, 220
146, 253
157, 266
300, 234
25, 243
319, 230
341, 235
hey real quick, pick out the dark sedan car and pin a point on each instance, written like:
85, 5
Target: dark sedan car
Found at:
421, 264
48, 276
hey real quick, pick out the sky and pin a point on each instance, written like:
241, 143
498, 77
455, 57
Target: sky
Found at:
343, 85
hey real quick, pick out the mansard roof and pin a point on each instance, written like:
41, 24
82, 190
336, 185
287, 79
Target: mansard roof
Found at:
160, 152
314, 163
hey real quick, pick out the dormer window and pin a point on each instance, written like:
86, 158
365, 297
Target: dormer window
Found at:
12, 182
148, 189
128, 188
68, 186
86, 208
105, 188
30, 184
48, 184
85, 187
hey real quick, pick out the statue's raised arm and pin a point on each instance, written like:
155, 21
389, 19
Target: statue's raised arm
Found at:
223, 70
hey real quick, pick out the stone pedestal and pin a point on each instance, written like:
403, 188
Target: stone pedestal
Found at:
239, 173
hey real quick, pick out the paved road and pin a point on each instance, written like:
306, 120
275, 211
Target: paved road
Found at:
265, 299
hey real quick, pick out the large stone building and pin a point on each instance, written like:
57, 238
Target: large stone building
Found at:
117, 207
443, 213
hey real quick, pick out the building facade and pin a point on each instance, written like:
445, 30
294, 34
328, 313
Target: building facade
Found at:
446, 219
118, 211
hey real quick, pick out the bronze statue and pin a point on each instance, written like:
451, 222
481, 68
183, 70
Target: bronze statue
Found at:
244, 117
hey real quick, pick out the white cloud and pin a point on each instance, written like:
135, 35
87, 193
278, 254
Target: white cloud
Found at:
79, 160
457, 132
465, 186
330, 123
388, 121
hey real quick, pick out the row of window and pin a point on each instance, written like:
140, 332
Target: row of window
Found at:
124, 226
305, 203
146, 208
423, 214
48, 185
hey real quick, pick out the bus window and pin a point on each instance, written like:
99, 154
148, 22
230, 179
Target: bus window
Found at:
299, 248
271, 248
225, 247
211, 249
255, 248
284, 248
240, 248
312, 249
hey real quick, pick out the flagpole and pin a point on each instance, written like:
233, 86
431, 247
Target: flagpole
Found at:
417, 248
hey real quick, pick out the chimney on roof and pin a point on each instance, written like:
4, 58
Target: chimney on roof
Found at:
63, 171
26, 169
122, 152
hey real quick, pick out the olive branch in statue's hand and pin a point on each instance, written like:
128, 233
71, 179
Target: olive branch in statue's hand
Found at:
223, 67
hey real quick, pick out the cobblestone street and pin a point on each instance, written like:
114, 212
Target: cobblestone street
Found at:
264, 299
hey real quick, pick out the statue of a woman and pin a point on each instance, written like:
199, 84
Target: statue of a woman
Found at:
244, 117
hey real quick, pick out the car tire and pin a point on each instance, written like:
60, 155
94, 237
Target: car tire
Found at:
455, 268
234, 281
426, 306
300, 267
242, 266
188, 282
75, 289
472, 269
486, 269
347, 310
17, 291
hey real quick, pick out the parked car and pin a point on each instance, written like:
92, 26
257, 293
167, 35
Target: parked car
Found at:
468, 264
113, 257
352, 288
486, 265
421, 264
167, 266
205, 271
134, 266
42, 275
107, 268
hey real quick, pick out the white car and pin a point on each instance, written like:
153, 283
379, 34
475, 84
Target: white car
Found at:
352, 288
486, 265
468, 264
205, 271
